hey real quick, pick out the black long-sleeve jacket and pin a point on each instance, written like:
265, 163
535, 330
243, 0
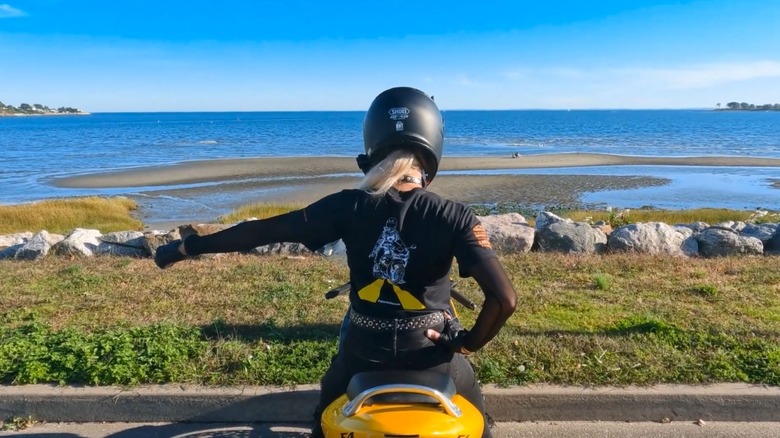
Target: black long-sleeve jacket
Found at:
400, 249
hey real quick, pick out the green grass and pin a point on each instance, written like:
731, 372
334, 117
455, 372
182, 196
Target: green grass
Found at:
235, 319
239, 319
63, 215
259, 211
602, 281
17, 423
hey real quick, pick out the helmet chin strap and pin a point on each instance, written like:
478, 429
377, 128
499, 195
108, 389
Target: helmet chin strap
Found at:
413, 179
363, 162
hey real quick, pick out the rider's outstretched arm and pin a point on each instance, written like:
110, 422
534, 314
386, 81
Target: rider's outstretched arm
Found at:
287, 227
314, 226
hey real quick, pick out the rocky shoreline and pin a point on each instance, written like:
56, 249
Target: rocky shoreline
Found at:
509, 233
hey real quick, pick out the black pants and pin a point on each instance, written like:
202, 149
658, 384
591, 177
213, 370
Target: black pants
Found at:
367, 350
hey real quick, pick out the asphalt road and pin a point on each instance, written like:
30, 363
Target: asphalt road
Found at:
564, 429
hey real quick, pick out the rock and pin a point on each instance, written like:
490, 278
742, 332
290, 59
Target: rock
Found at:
38, 246
284, 248
690, 247
684, 230
508, 232
774, 243
571, 237
762, 232
697, 227
10, 252
545, 218
200, 229
732, 225
123, 243
652, 238
80, 242
333, 249
715, 242
15, 239
153, 239
605, 228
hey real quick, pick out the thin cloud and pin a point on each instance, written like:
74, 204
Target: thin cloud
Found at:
694, 76
705, 75
685, 85
468, 81
556, 72
8, 11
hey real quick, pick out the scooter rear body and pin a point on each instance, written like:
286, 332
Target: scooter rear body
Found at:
402, 404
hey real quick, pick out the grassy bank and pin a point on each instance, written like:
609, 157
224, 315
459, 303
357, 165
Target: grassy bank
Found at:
581, 320
63, 215
258, 210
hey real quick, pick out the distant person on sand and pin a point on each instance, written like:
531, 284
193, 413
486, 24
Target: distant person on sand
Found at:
401, 240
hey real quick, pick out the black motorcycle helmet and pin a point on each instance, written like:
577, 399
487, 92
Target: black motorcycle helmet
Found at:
403, 118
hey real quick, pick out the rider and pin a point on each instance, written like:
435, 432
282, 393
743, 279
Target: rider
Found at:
401, 240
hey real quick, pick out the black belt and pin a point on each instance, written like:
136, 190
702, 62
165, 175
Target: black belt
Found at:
396, 324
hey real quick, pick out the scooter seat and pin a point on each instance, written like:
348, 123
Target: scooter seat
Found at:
363, 381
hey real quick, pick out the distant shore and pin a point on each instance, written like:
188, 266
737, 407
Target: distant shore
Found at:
42, 114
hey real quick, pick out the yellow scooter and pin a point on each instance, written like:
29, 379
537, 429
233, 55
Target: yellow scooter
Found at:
402, 404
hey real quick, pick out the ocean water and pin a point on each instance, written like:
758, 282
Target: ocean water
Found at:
33, 150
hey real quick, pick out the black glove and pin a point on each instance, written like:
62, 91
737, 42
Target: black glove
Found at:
168, 254
453, 335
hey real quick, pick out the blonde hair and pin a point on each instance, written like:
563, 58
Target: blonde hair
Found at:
387, 172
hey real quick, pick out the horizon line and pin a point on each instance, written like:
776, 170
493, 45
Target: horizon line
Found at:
442, 110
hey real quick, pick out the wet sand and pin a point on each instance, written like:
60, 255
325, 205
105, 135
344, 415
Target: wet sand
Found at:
222, 185
245, 168
471, 189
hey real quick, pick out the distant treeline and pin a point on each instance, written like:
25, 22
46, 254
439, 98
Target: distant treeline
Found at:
744, 106
36, 108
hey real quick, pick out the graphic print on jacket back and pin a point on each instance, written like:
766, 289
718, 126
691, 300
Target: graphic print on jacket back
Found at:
390, 255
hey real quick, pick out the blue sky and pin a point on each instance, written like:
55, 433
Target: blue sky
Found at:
337, 55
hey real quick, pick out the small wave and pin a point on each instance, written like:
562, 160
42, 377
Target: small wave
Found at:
174, 199
207, 142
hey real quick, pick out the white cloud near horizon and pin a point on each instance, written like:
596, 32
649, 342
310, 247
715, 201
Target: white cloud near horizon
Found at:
703, 76
686, 85
695, 76
8, 11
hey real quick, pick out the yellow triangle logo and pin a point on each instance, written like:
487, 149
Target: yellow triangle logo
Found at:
371, 292
408, 301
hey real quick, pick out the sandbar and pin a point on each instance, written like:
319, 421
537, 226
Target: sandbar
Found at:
192, 172
221, 185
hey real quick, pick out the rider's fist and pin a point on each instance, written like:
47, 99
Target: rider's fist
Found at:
168, 254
